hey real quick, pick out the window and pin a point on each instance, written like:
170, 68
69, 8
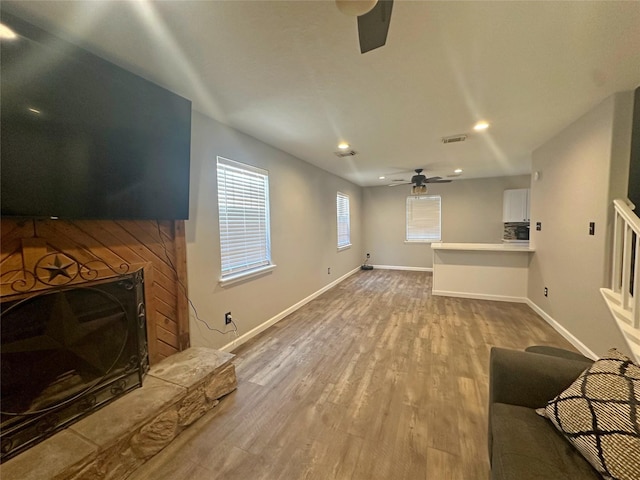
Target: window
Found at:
344, 222
423, 218
243, 209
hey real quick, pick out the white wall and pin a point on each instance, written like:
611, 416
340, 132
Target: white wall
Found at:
471, 212
581, 170
303, 232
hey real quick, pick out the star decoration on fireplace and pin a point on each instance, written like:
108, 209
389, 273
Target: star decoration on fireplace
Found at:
58, 268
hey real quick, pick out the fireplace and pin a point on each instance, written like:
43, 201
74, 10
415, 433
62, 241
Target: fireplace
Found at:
65, 353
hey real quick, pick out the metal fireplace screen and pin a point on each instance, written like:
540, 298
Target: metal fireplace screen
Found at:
66, 353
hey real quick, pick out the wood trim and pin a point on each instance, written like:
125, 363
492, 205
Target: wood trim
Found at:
182, 308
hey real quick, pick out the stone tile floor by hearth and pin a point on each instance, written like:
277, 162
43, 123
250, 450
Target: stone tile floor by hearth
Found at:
115, 440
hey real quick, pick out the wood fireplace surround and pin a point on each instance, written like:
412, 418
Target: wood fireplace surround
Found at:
182, 384
109, 248
131, 277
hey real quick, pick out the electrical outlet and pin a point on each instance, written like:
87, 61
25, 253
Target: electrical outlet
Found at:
546, 292
329, 271
538, 226
368, 256
227, 318
592, 228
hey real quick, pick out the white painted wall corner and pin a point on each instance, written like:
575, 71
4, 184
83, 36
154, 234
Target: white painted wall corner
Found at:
582, 348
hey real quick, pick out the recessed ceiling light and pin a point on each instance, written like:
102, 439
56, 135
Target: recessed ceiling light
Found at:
6, 32
34, 110
481, 125
457, 170
381, 178
343, 145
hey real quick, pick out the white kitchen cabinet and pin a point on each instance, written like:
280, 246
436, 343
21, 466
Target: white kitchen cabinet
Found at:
515, 206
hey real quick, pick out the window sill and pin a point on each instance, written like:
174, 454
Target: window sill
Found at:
241, 277
422, 241
344, 247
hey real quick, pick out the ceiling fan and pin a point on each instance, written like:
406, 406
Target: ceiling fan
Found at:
418, 182
374, 17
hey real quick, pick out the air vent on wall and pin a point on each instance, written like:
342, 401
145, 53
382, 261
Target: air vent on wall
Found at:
454, 138
348, 153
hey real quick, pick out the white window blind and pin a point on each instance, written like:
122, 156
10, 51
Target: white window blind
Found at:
243, 209
423, 218
344, 222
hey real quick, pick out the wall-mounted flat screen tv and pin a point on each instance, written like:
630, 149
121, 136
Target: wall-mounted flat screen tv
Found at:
82, 138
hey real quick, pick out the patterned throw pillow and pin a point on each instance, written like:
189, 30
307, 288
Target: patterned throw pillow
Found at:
600, 415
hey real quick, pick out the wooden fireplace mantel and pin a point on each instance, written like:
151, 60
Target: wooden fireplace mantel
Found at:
45, 254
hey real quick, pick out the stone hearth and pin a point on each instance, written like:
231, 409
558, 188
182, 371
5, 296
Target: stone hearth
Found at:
117, 439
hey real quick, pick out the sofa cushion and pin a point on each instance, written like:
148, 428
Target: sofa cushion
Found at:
527, 447
600, 414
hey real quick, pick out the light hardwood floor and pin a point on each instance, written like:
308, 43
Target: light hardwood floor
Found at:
375, 379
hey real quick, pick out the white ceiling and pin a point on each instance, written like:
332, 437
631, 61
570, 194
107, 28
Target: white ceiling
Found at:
291, 74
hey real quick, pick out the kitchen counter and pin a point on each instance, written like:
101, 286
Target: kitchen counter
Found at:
491, 247
490, 271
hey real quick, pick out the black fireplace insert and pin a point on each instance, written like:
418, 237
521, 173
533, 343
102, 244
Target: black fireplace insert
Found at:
67, 352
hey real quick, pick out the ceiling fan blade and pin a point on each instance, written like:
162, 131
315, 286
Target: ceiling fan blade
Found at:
374, 26
433, 180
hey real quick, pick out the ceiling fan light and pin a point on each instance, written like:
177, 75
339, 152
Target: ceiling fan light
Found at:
355, 8
418, 190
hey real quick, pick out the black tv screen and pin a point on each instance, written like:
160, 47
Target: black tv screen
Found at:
82, 138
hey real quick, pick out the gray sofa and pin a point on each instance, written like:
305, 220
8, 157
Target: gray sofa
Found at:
522, 444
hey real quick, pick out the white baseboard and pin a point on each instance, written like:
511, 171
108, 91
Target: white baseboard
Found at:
411, 269
479, 296
275, 319
573, 340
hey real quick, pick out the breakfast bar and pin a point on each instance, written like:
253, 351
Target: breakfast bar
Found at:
481, 270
